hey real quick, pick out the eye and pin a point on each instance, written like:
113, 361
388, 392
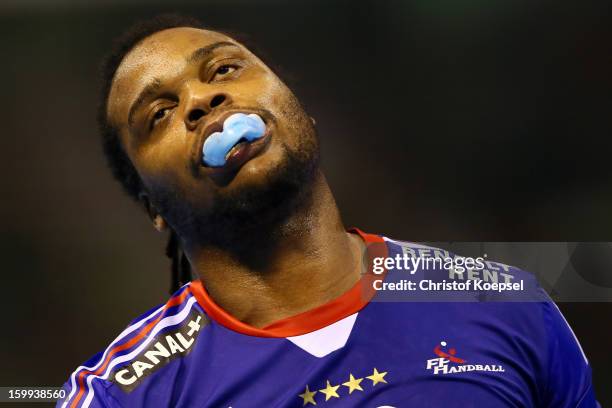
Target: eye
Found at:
158, 116
224, 70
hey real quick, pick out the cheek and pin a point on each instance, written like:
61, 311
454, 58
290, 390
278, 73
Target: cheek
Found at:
165, 159
271, 93
293, 121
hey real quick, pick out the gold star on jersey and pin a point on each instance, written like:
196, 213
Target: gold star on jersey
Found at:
353, 384
308, 396
377, 377
330, 391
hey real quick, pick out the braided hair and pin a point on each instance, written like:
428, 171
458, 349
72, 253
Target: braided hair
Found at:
181, 268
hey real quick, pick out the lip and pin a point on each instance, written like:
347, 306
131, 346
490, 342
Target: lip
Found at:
245, 154
238, 158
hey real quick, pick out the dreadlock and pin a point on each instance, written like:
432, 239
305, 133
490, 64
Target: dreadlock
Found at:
181, 269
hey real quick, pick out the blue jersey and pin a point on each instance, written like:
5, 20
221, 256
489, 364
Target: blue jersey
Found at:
355, 351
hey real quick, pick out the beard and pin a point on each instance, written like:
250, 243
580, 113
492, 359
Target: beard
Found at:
248, 222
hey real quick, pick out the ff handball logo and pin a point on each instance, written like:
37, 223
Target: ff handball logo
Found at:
449, 363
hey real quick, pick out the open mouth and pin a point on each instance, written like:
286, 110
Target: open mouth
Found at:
232, 140
236, 149
242, 152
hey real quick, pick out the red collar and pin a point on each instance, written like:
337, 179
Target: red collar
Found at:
347, 304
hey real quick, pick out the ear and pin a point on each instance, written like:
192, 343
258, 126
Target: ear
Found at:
156, 219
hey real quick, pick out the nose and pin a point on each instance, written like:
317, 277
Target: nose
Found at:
200, 103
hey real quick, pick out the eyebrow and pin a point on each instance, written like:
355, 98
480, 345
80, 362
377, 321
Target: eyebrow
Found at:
204, 52
152, 88
146, 93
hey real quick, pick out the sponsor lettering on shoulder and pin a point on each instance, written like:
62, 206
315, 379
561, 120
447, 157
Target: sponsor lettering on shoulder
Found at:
162, 350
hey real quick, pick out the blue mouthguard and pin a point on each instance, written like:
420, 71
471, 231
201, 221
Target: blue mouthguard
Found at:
236, 127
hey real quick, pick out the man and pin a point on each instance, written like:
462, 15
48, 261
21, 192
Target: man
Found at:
219, 152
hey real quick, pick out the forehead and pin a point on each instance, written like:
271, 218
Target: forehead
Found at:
156, 57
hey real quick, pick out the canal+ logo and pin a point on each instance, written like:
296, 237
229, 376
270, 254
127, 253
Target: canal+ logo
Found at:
448, 362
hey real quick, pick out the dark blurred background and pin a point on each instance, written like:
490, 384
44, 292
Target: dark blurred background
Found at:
440, 120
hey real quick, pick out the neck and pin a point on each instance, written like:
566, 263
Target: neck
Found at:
309, 260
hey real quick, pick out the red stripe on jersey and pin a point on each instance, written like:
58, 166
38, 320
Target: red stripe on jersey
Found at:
143, 332
347, 304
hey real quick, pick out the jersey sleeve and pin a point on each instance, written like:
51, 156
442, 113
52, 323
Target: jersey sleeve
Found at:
101, 398
569, 382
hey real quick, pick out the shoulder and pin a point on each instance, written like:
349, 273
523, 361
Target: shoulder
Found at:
145, 346
525, 322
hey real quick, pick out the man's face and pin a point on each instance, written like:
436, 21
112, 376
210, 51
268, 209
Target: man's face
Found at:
173, 90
